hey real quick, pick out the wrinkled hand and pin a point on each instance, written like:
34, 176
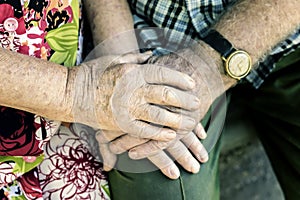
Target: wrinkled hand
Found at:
207, 89
132, 98
153, 150
203, 70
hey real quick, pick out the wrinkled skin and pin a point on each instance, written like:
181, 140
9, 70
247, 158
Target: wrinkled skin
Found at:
199, 68
124, 97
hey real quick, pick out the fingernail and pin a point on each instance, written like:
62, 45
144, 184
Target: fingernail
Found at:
195, 168
204, 159
106, 168
203, 134
174, 172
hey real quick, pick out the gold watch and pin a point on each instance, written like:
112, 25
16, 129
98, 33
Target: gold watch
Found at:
237, 62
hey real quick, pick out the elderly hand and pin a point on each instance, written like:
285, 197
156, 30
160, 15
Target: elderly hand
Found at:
151, 149
131, 97
208, 87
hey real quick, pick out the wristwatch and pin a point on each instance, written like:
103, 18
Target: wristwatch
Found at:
237, 62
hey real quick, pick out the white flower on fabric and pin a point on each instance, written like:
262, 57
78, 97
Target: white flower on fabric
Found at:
6, 173
47, 129
69, 171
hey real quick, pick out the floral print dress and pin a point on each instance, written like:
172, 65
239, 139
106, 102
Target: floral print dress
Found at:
39, 158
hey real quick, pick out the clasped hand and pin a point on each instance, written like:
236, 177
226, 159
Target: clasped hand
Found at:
132, 98
148, 105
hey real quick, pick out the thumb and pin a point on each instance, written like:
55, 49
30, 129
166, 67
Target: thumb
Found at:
132, 58
109, 158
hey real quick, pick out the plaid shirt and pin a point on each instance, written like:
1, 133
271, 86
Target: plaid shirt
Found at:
187, 20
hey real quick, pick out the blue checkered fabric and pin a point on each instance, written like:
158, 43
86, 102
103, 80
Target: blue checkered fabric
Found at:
184, 21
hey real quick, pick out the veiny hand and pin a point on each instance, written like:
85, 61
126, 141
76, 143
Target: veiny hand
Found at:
208, 81
207, 89
132, 98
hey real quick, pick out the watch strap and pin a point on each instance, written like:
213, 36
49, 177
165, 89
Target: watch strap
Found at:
219, 43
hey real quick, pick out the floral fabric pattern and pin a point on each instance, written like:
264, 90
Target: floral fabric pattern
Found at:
22, 133
69, 171
39, 158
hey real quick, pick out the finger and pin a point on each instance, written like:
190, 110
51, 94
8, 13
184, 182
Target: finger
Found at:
196, 147
193, 114
125, 143
163, 117
144, 130
165, 95
182, 155
165, 164
161, 75
109, 158
133, 58
150, 148
200, 131
105, 136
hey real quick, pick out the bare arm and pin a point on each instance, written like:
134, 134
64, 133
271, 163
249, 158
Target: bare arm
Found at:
34, 85
47, 88
108, 19
39, 86
256, 26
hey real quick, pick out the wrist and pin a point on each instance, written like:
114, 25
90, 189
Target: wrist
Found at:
256, 26
217, 59
81, 97
90, 95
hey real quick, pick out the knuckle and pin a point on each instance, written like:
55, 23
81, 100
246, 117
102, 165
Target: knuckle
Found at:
142, 130
158, 115
166, 93
102, 138
173, 146
193, 140
160, 145
201, 148
148, 72
154, 73
139, 112
148, 91
160, 74
114, 147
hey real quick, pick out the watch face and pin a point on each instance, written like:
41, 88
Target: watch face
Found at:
238, 64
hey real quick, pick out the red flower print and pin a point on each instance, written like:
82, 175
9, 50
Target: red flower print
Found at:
17, 133
24, 49
7, 11
30, 186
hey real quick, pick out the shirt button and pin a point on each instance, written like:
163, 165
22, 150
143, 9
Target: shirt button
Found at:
11, 24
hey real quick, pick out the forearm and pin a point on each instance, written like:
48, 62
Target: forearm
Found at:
256, 26
34, 85
111, 19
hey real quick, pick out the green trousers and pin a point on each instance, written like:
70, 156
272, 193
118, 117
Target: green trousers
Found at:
275, 112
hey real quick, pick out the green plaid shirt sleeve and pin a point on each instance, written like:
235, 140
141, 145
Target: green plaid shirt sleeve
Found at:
187, 20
